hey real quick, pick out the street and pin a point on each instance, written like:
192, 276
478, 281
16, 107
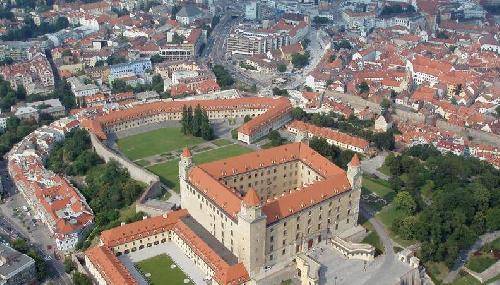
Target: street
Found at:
16, 222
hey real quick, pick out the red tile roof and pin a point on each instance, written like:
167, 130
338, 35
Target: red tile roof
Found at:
275, 109
328, 133
109, 266
251, 198
207, 179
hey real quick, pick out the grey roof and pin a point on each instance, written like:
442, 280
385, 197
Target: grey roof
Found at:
189, 11
12, 262
210, 240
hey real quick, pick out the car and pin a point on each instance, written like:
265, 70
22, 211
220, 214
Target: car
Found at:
267, 268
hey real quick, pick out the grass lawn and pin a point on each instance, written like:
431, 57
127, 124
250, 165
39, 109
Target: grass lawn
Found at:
222, 142
169, 171
373, 239
465, 279
480, 263
385, 169
437, 271
484, 258
220, 153
161, 273
387, 217
155, 142
379, 187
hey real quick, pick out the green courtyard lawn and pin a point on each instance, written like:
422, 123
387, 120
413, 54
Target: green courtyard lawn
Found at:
169, 171
379, 187
156, 142
222, 142
161, 273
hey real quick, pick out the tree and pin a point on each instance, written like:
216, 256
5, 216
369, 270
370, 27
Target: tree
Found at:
385, 105
280, 92
281, 67
305, 43
384, 141
81, 279
156, 58
318, 20
119, 86
497, 110
345, 44
298, 113
247, 118
69, 265
224, 79
405, 202
300, 60
363, 87
405, 226
275, 138
157, 83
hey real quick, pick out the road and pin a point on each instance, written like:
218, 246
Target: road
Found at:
317, 49
388, 256
372, 165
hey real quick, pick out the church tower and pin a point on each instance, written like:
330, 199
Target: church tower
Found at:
252, 231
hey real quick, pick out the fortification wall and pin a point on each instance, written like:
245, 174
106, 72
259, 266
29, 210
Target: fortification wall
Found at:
136, 172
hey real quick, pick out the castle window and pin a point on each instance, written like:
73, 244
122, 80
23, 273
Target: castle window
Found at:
283, 252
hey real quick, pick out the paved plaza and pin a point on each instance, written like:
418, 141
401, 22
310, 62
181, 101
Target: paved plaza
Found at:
172, 250
338, 270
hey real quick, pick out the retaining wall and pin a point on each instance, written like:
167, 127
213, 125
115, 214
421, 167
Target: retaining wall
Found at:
136, 172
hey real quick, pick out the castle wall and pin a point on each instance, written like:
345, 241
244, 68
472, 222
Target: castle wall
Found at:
136, 172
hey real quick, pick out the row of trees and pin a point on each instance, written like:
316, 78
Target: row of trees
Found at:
196, 123
333, 153
30, 30
351, 125
445, 201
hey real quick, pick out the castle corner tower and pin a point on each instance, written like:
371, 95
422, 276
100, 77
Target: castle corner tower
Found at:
252, 227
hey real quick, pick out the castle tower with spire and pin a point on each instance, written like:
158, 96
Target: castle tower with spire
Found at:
355, 177
252, 229
185, 163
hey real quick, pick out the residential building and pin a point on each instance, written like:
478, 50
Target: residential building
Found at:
252, 10
16, 268
188, 14
344, 141
133, 68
